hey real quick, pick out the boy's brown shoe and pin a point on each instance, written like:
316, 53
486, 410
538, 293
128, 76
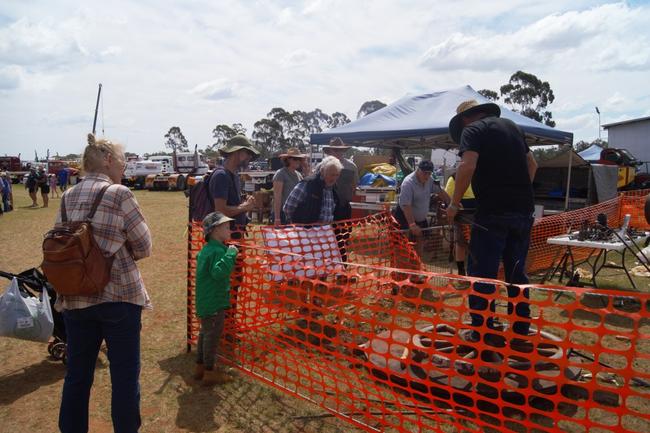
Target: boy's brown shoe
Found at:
215, 377
199, 371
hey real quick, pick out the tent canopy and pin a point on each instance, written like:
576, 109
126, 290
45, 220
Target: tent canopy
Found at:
592, 153
422, 121
563, 160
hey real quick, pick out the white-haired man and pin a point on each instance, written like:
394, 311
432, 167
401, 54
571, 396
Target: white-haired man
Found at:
314, 199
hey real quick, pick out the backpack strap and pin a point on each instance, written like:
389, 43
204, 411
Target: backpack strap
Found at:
91, 214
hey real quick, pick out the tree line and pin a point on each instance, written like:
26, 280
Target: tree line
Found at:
280, 129
524, 93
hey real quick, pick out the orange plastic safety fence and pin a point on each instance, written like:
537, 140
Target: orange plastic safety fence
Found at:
541, 254
395, 349
633, 203
373, 240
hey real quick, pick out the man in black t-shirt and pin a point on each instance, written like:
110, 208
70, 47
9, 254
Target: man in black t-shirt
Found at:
496, 160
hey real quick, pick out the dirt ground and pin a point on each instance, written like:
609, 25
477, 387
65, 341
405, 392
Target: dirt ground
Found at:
30, 383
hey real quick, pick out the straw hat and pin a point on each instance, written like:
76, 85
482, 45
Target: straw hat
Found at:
467, 108
292, 152
336, 143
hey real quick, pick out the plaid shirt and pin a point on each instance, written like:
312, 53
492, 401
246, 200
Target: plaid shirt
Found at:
119, 229
299, 194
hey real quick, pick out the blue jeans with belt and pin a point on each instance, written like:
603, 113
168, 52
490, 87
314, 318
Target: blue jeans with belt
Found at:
497, 237
117, 323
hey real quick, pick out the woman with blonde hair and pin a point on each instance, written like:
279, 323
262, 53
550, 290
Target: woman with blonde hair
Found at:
113, 315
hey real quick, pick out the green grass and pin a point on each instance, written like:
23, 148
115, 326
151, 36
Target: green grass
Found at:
31, 384
607, 278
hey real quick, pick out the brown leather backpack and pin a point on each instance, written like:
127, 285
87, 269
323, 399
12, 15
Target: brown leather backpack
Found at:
72, 260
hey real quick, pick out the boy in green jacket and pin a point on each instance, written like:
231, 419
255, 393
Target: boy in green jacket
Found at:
215, 263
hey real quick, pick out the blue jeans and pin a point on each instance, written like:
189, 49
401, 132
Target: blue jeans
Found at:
507, 237
119, 324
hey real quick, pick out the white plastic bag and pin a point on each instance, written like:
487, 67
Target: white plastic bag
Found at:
25, 318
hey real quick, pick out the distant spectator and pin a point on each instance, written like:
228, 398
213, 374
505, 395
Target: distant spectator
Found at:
43, 183
53, 190
2, 194
7, 193
63, 179
284, 181
32, 185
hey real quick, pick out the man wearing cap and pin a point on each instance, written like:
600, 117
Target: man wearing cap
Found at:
284, 181
414, 198
348, 180
225, 187
497, 161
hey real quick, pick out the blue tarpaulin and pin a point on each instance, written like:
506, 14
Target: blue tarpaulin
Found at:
422, 121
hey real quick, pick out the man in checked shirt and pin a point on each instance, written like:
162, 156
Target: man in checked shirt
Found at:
113, 315
315, 198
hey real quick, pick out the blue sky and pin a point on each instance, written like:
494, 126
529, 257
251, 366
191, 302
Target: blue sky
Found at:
196, 64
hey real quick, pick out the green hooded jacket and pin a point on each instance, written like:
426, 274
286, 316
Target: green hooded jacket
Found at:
214, 264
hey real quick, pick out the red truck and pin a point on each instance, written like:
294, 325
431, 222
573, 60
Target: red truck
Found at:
14, 167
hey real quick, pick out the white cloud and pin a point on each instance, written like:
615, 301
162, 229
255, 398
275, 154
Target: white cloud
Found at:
285, 17
11, 77
612, 36
296, 58
617, 101
216, 89
113, 50
38, 44
581, 121
314, 7
200, 63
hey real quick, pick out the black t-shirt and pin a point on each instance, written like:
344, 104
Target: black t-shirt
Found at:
501, 181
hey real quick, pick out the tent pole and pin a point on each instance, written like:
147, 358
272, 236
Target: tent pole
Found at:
568, 180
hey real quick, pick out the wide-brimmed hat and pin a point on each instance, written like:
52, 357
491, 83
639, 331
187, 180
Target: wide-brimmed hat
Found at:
336, 143
212, 220
293, 152
236, 143
467, 108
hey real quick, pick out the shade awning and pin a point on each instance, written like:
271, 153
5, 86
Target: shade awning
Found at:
422, 121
